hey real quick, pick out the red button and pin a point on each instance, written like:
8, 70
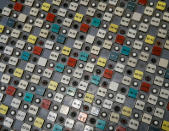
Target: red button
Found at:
120, 39
10, 90
120, 128
108, 73
37, 50
142, 2
145, 87
84, 27
156, 50
71, 62
18, 6
45, 104
168, 106
50, 17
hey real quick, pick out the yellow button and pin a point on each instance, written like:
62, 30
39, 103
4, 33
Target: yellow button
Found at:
113, 28
32, 39
89, 97
53, 85
38, 122
1, 28
149, 39
66, 50
101, 61
138, 74
161, 5
78, 17
165, 125
45, 6
126, 111
18, 72
3, 109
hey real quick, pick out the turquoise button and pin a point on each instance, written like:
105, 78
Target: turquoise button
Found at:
131, 6
28, 97
125, 50
25, 55
57, 127
55, 28
100, 124
96, 22
132, 93
95, 79
59, 67
114, 56
71, 91
166, 74
10, 22
83, 56
40, 90
61, 39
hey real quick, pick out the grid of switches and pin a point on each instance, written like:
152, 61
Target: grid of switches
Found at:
84, 65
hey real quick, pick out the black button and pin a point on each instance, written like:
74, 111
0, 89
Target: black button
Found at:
1, 47
65, 5
74, 83
16, 82
99, 15
75, 26
122, 31
117, 108
153, 60
147, 78
129, 72
98, 71
85, 107
24, 37
13, 42
63, 59
123, 121
87, 48
110, 66
59, 21
92, 120
104, 83
10, 71
81, 37
86, 77
73, 114
52, 37
44, 82
149, 109
122, 4
19, 26
6, 59
75, 54
70, 15
123, 90
61, 119
54, 10
34, 59
10, 6
99, 42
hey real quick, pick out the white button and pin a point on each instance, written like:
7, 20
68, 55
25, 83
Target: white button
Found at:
30, 119
142, 96
64, 31
37, 100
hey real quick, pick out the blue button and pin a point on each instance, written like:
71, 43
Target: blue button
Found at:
25, 55
61, 39
132, 93
167, 74
125, 50
95, 79
57, 127
96, 22
40, 90
59, 67
55, 28
10, 22
114, 56
28, 97
100, 124
83, 56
